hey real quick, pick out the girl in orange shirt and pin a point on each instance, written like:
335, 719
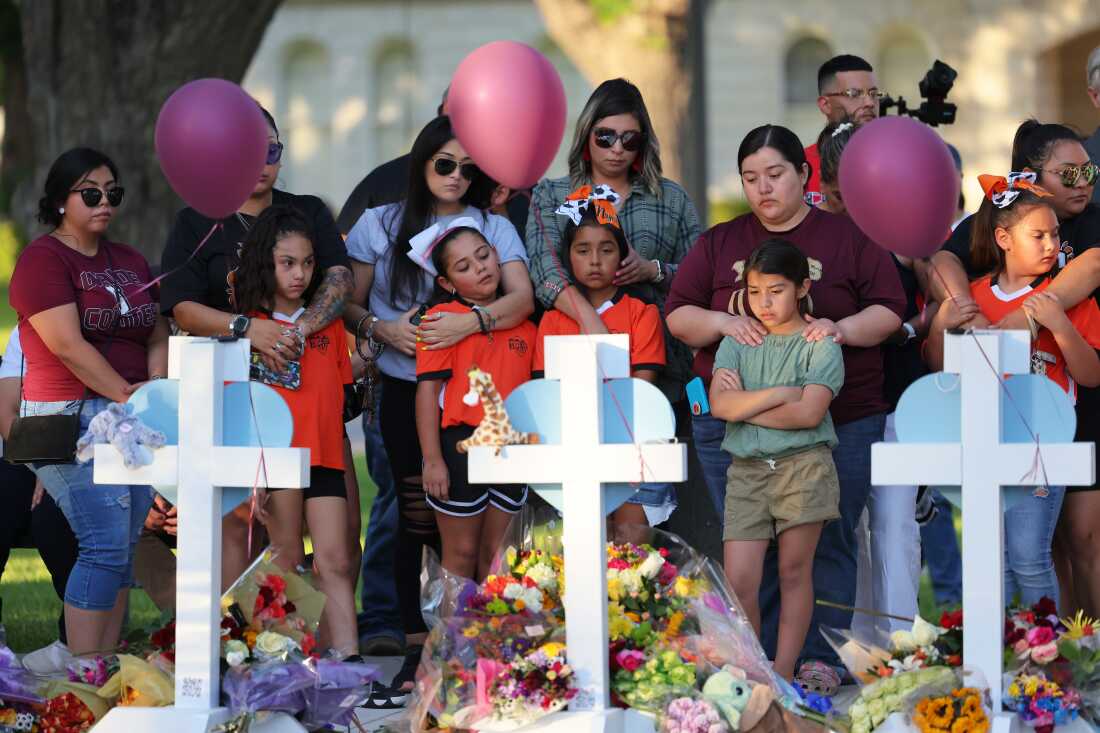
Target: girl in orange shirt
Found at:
472, 518
276, 277
1015, 235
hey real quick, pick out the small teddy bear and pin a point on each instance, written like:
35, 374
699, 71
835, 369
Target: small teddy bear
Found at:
742, 702
118, 426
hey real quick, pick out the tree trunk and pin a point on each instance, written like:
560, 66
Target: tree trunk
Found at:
652, 43
98, 72
16, 159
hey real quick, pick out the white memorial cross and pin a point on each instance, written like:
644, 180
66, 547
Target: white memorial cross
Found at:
981, 464
581, 463
200, 465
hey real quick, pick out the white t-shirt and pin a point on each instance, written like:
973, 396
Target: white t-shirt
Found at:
13, 356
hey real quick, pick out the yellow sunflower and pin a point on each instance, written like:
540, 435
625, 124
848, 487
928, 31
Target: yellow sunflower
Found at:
940, 713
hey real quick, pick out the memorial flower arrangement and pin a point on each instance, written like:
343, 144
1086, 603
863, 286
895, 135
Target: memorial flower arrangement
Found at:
268, 599
892, 694
959, 711
1041, 703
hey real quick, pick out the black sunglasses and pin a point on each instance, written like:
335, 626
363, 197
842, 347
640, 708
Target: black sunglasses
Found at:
92, 196
446, 166
274, 153
606, 137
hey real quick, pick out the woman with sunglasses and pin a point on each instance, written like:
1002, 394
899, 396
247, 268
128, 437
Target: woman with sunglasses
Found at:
91, 332
391, 297
615, 144
197, 293
1055, 152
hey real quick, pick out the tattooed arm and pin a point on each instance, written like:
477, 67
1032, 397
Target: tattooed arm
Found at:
328, 304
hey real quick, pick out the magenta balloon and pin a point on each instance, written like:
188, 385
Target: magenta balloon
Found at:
507, 105
211, 140
900, 185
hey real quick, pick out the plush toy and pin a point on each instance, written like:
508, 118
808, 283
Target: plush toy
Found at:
118, 426
495, 429
742, 703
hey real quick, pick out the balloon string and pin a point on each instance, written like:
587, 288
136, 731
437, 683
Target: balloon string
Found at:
152, 283
574, 300
261, 467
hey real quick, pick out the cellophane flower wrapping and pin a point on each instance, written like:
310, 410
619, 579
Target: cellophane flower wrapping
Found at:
271, 686
268, 598
138, 683
16, 683
496, 654
339, 688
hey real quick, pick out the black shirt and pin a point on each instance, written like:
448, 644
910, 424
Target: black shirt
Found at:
204, 279
1078, 234
389, 183
903, 365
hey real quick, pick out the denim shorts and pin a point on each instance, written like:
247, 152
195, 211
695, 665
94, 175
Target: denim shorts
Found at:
106, 518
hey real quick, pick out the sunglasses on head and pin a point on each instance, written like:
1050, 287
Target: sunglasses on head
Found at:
446, 166
1072, 173
606, 137
274, 153
92, 196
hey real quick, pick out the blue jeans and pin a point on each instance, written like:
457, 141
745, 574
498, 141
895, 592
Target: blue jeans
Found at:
381, 615
106, 518
708, 433
835, 562
940, 547
1029, 531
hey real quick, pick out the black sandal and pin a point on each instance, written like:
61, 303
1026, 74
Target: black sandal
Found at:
391, 696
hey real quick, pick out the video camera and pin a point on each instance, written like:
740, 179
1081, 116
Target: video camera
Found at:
934, 87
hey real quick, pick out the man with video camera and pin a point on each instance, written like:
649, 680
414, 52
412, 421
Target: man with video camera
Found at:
847, 90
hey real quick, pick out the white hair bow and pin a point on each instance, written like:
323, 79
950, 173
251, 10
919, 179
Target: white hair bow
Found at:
421, 246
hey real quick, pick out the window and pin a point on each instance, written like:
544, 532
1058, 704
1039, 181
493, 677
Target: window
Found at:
396, 89
804, 57
903, 60
304, 113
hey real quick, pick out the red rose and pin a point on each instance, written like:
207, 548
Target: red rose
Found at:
1045, 607
951, 619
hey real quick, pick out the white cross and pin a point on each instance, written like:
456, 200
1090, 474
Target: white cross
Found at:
581, 463
981, 464
199, 466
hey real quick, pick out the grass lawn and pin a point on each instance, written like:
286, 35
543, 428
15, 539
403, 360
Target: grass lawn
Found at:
31, 607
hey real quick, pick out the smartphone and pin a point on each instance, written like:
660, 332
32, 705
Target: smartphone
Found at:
415, 320
697, 397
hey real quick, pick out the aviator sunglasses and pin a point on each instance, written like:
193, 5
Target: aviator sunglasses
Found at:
274, 153
92, 196
605, 138
446, 166
1071, 173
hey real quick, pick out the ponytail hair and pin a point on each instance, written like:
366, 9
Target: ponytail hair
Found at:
779, 257
985, 254
1034, 142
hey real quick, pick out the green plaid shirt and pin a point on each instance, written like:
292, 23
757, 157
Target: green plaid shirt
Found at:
661, 229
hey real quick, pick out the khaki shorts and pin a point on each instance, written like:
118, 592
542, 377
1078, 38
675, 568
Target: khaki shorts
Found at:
767, 497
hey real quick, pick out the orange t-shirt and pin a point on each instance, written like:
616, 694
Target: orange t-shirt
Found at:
318, 403
505, 354
1046, 357
622, 314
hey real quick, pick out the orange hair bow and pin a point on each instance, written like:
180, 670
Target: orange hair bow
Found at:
602, 199
1003, 191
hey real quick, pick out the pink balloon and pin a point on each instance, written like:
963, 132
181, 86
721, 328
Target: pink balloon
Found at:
900, 185
507, 106
211, 140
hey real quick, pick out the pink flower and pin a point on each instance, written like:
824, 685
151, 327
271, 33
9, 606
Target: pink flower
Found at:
630, 659
1021, 647
618, 564
1046, 653
667, 573
1040, 635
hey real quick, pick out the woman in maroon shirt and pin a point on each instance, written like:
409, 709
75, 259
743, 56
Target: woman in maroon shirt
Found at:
91, 333
856, 298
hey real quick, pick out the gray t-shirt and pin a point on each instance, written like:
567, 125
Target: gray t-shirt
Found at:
369, 242
781, 361
1092, 145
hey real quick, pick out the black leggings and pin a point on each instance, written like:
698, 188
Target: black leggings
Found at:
44, 527
416, 527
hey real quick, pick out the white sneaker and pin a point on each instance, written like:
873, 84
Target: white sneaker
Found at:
49, 659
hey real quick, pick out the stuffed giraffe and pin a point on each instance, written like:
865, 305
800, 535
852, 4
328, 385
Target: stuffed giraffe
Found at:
495, 428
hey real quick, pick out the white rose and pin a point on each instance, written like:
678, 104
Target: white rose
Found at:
631, 580
543, 576
272, 644
924, 633
651, 565
903, 641
236, 652
532, 598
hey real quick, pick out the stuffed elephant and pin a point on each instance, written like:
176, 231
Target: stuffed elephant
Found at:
118, 426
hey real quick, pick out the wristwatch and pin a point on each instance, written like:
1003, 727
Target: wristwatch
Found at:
910, 332
239, 326
660, 271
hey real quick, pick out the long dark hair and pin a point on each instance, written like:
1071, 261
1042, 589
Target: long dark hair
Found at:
441, 261
985, 255
417, 212
616, 97
778, 137
779, 257
588, 219
254, 280
67, 171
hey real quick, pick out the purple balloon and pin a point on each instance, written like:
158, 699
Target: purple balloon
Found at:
211, 140
900, 185
507, 105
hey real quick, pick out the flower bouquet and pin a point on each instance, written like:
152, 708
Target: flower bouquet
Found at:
922, 646
888, 695
1042, 704
266, 598
959, 711
138, 683
692, 715
339, 688
66, 713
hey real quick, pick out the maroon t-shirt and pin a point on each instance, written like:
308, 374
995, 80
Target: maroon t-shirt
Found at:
49, 274
848, 273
